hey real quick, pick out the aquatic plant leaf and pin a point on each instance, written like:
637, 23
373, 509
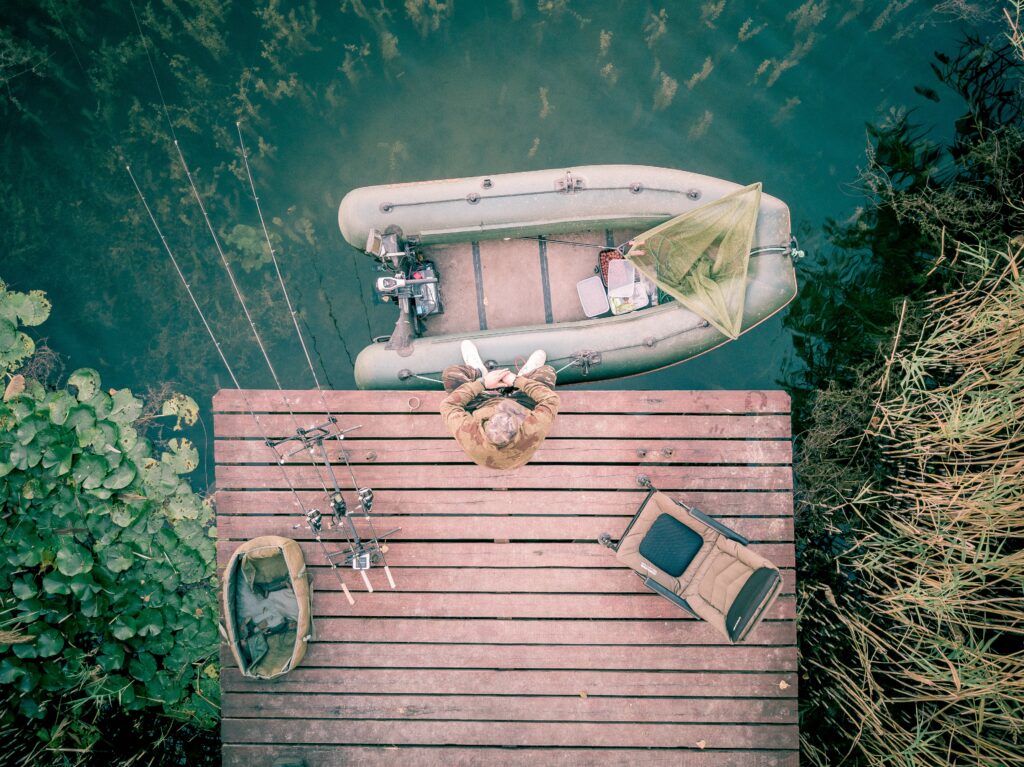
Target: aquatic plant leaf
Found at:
87, 383
49, 643
59, 404
123, 627
111, 657
31, 308
150, 623
117, 558
182, 406
73, 559
24, 587
182, 458
143, 667
21, 348
55, 583
125, 407
90, 471
120, 477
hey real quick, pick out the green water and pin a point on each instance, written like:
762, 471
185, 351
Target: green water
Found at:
338, 95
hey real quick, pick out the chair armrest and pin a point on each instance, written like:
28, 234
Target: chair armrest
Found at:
643, 505
728, 532
675, 599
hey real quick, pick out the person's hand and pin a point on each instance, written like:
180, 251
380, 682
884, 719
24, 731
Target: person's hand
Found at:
494, 378
509, 379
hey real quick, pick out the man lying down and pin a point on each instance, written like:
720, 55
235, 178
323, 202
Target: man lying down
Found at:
498, 429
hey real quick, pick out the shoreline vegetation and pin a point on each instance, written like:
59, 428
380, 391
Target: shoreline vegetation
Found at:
910, 459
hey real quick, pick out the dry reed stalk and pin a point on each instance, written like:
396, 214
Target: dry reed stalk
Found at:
934, 619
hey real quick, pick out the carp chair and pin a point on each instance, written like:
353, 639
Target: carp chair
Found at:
698, 564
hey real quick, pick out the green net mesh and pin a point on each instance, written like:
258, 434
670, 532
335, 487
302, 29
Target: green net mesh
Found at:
701, 257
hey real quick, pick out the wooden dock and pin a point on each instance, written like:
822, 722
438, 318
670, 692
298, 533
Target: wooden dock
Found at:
513, 637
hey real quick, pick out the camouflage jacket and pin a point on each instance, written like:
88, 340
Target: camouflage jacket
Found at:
468, 428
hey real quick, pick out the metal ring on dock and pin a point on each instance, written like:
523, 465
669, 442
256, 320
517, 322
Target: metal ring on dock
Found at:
414, 403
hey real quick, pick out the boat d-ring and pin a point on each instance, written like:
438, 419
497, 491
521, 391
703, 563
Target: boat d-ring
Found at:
414, 403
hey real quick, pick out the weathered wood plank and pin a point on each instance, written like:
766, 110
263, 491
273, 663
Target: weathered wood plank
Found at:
678, 632
544, 644
307, 401
557, 476
511, 581
386, 603
598, 426
410, 756
446, 450
516, 733
504, 554
494, 528
486, 502
530, 656
508, 708
698, 684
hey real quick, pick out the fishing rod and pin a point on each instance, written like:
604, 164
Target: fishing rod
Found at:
361, 492
361, 553
310, 514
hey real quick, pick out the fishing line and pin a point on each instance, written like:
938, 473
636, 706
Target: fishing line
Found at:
305, 349
234, 379
216, 240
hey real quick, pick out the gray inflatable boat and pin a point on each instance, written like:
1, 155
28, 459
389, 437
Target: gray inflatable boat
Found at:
613, 270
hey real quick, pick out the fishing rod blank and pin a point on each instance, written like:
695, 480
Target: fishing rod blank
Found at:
309, 513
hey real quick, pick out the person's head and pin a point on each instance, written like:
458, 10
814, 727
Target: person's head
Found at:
503, 425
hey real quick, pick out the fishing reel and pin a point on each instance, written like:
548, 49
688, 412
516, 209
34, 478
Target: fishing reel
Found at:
339, 507
365, 495
315, 520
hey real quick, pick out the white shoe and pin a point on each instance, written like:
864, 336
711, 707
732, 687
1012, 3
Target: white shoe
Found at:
536, 359
471, 357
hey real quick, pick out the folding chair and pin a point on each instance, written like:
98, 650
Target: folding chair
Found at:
698, 564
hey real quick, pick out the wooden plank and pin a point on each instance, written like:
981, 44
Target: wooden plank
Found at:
446, 450
685, 684
494, 528
509, 708
511, 581
635, 735
573, 401
589, 426
397, 604
530, 656
511, 502
249, 755
551, 476
506, 554
589, 631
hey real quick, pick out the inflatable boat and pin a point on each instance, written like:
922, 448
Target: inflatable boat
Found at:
613, 270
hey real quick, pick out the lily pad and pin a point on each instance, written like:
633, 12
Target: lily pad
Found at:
73, 559
124, 406
183, 457
117, 558
89, 471
182, 406
86, 381
120, 477
49, 643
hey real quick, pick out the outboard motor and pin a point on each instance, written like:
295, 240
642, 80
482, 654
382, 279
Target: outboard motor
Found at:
412, 284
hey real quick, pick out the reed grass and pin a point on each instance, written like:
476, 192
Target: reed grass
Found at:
928, 667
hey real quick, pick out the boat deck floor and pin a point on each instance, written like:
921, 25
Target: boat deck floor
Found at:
513, 638
494, 284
